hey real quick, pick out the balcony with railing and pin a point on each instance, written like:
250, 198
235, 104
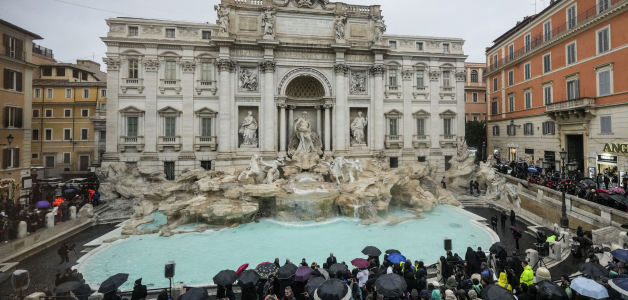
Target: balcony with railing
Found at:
394, 141
393, 89
170, 84
421, 91
42, 51
542, 39
447, 91
448, 140
206, 141
169, 141
421, 141
209, 85
132, 83
564, 110
131, 141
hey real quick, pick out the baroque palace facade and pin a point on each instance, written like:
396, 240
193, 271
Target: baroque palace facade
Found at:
184, 95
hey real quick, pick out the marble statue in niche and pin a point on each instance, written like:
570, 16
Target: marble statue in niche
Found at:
248, 79
248, 129
358, 129
303, 130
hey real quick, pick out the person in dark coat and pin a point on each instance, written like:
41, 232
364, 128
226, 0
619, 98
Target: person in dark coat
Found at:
494, 222
63, 253
446, 271
516, 235
163, 295
481, 255
277, 263
249, 293
421, 277
303, 263
473, 262
471, 186
504, 218
513, 218
408, 276
331, 259
607, 182
139, 290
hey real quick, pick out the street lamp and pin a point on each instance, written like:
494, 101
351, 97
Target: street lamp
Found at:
564, 221
9, 139
484, 154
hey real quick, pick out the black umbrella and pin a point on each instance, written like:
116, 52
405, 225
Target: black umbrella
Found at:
593, 269
337, 267
619, 198
391, 285
391, 251
67, 287
248, 278
266, 269
313, 284
371, 251
497, 248
496, 292
332, 289
113, 283
225, 277
286, 271
195, 294
548, 290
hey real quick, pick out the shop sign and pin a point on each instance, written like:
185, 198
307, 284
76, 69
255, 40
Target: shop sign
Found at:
616, 148
607, 159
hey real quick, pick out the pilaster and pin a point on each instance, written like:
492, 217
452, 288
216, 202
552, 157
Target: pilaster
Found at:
378, 106
225, 67
113, 74
188, 67
408, 128
268, 105
341, 110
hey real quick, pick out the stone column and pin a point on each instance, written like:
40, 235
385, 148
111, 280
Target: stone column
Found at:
319, 120
408, 125
224, 115
290, 121
151, 79
187, 89
268, 105
340, 109
379, 127
113, 74
327, 127
282, 129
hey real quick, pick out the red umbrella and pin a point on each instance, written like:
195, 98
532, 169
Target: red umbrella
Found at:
360, 263
516, 229
603, 191
242, 268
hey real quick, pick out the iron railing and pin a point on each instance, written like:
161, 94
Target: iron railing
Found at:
42, 51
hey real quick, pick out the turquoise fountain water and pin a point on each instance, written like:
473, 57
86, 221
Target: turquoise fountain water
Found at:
199, 256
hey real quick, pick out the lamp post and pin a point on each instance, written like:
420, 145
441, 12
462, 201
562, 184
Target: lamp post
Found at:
9, 139
564, 221
484, 154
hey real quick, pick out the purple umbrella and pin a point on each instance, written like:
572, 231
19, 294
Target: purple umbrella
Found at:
303, 274
42, 204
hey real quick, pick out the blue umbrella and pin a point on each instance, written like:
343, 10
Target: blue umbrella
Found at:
396, 258
533, 170
42, 204
589, 288
620, 285
621, 254
69, 191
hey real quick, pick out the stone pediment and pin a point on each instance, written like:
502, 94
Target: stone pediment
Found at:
393, 113
448, 113
421, 113
131, 110
206, 112
169, 110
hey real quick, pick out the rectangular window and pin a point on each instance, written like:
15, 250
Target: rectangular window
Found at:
68, 93
527, 71
465, 97
11, 157
528, 42
48, 113
134, 69
603, 5
37, 93
131, 126
84, 76
60, 72
48, 134
606, 125
494, 107
47, 71
475, 97
392, 77
511, 77
103, 93
511, 103
35, 113
421, 158
547, 94
496, 130
420, 75
447, 126
475, 118
420, 126
604, 83
66, 158
495, 84
171, 70
446, 48
11, 44
170, 127
495, 61
67, 134
547, 63
528, 129
35, 134
207, 35
392, 127
85, 93
84, 113
133, 31
75, 74
35, 155
571, 17
169, 169
67, 113
13, 117
170, 33
528, 99
206, 164
392, 45
511, 129
603, 40
571, 53
547, 31
549, 127
49, 93
573, 89
446, 79
511, 52
84, 134
419, 46
206, 127
206, 71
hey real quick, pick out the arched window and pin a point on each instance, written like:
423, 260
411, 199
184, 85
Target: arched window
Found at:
474, 76
305, 87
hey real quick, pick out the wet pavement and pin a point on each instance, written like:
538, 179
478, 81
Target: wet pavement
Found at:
42, 266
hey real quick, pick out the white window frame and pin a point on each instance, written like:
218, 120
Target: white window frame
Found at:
38, 113
83, 110
511, 102
133, 68
597, 42
103, 93
475, 97
570, 79
575, 17
67, 130
495, 60
511, 77
52, 138
12, 47
392, 73
85, 92
547, 34
209, 34
550, 63
50, 93
603, 68
68, 96
37, 93
511, 51
12, 157
575, 45
598, 5
551, 89
527, 71
527, 42
495, 83
86, 130
69, 154
445, 48
447, 79
527, 92
66, 110
12, 115
46, 113
475, 118
166, 73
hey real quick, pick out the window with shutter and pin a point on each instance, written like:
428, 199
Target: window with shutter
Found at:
47, 71
606, 124
18, 81
35, 134
571, 17
603, 40
604, 83
75, 74
5, 158
19, 117
84, 76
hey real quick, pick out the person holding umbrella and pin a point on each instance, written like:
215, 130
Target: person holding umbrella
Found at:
516, 234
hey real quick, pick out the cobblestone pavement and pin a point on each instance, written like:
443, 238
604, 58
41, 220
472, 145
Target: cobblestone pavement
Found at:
42, 265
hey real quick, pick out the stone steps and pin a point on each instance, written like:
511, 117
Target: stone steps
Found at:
471, 201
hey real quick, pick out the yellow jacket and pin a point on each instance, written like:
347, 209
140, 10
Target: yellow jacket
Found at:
503, 281
527, 276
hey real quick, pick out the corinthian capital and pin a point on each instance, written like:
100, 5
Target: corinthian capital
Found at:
341, 69
225, 64
378, 70
113, 64
268, 66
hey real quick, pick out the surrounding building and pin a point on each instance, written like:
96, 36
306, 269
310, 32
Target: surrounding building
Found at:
15, 101
557, 80
68, 129
179, 93
475, 92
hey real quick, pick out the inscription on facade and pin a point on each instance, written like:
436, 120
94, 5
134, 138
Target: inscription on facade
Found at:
359, 57
358, 30
302, 26
248, 23
247, 53
305, 55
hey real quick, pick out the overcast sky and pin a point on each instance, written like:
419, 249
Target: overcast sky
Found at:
72, 28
